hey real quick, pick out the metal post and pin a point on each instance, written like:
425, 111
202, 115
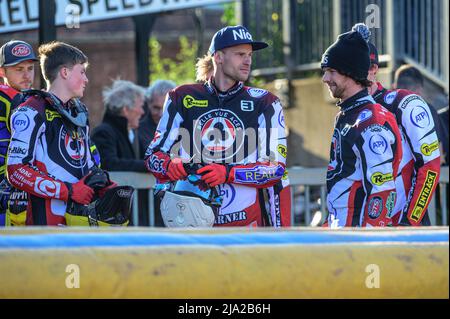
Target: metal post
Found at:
47, 28
292, 206
323, 203
200, 29
143, 25
288, 9
444, 212
390, 36
135, 210
151, 207
307, 208
336, 18
444, 41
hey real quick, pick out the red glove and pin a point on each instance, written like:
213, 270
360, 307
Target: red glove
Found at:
175, 170
102, 191
214, 174
79, 192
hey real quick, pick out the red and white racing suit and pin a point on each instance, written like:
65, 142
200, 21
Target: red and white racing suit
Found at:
364, 159
420, 166
243, 129
45, 151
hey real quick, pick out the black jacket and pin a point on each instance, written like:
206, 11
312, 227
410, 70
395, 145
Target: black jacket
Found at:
146, 132
116, 151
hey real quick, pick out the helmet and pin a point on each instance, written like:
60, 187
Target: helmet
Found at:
112, 209
188, 203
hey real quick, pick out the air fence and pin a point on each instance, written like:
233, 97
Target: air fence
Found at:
308, 195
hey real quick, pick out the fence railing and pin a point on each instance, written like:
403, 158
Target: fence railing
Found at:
308, 196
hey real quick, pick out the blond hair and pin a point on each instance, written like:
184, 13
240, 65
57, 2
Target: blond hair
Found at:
204, 68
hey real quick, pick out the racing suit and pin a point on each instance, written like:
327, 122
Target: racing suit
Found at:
7, 95
364, 160
420, 166
47, 150
242, 129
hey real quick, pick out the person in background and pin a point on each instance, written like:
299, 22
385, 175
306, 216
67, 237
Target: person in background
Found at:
154, 101
420, 167
114, 137
17, 68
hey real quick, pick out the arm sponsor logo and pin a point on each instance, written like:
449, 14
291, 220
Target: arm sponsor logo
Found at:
378, 144
282, 149
428, 149
256, 93
47, 187
20, 122
420, 117
390, 97
51, 115
424, 196
363, 116
189, 101
380, 178
281, 119
375, 207
258, 174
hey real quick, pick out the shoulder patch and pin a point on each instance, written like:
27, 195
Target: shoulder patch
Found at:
390, 97
363, 116
256, 93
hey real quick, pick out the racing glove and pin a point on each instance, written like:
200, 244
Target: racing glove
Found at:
214, 174
79, 192
175, 170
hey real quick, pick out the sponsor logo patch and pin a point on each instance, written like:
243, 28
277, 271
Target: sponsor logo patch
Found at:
428, 149
20, 122
257, 174
256, 93
363, 116
189, 101
51, 115
420, 117
281, 119
375, 207
424, 196
380, 178
282, 149
73, 148
20, 50
247, 106
47, 187
389, 98
378, 144
390, 203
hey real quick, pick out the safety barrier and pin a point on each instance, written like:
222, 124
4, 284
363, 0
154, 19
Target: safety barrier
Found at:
302, 180
224, 263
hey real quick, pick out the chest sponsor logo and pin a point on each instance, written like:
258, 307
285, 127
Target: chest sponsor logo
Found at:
380, 178
232, 217
51, 115
228, 193
335, 164
16, 150
20, 122
247, 106
390, 97
428, 149
189, 101
47, 187
256, 93
378, 144
420, 117
282, 149
424, 196
218, 134
73, 148
375, 207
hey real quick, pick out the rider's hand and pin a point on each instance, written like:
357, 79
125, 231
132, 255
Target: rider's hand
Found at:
175, 169
214, 174
81, 193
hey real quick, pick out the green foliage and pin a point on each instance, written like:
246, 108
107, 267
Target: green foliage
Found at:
181, 70
229, 14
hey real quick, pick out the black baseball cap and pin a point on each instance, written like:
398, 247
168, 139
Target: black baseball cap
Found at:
234, 35
14, 52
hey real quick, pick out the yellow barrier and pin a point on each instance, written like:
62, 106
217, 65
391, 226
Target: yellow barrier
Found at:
363, 270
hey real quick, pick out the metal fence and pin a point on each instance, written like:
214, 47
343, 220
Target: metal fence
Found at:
308, 195
412, 31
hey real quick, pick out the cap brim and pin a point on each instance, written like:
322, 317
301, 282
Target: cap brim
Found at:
19, 61
259, 45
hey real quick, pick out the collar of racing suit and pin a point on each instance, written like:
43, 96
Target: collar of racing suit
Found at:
379, 92
212, 89
353, 102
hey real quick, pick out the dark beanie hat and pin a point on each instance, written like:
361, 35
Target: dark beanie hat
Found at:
350, 53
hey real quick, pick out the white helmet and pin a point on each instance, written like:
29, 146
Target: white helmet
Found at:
185, 204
